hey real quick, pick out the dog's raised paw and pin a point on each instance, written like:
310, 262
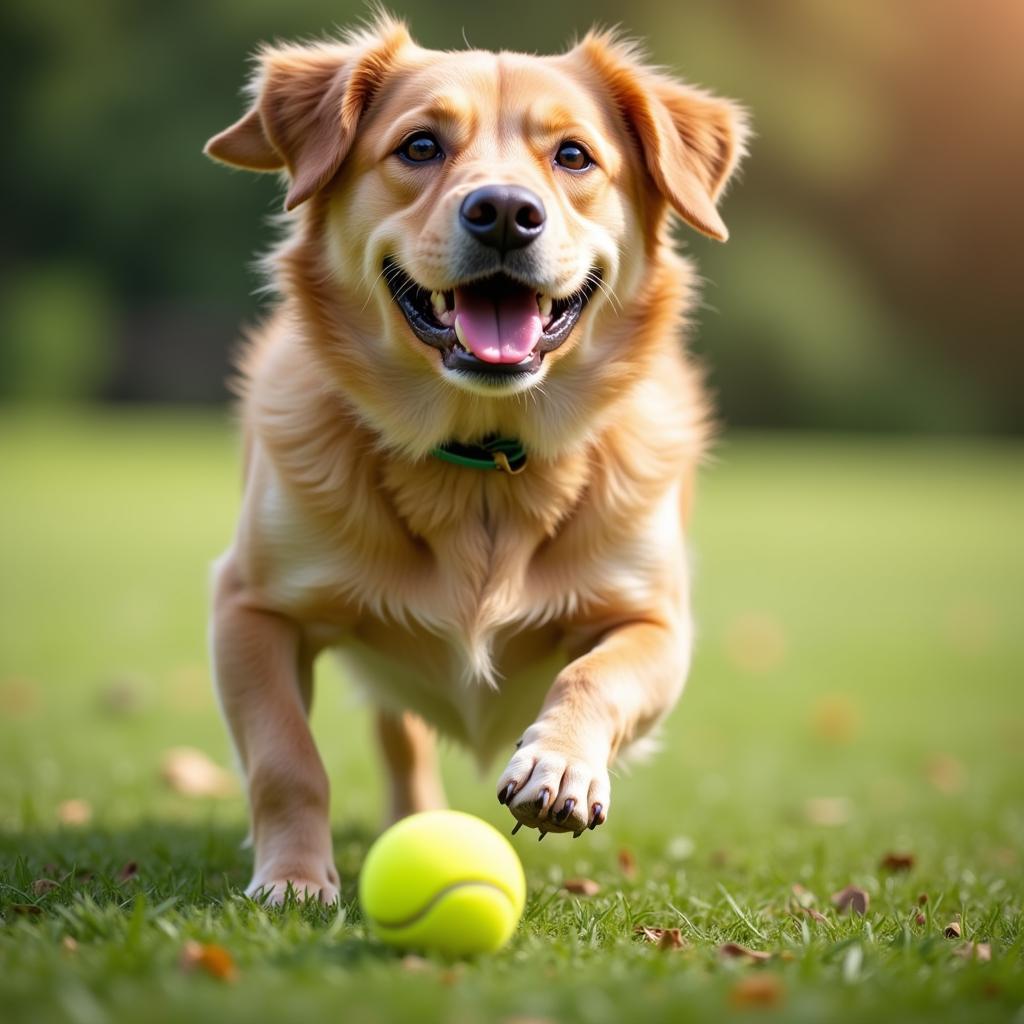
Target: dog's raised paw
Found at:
553, 787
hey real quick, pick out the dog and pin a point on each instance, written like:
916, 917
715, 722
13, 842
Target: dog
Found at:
470, 426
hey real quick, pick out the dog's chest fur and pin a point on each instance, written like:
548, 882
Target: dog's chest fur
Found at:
451, 591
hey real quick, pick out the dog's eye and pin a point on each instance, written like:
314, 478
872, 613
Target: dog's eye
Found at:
573, 157
420, 148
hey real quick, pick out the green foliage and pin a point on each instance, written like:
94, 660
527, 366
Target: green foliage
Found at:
858, 642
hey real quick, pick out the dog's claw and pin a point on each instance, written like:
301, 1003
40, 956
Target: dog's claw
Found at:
506, 794
540, 838
516, 827
597, 818
576, 835
566, 810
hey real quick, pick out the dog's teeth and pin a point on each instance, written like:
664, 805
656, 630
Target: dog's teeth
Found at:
447, 317
437, 300
459, 334
544, 303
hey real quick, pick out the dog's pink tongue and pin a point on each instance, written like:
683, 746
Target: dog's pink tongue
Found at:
498, 329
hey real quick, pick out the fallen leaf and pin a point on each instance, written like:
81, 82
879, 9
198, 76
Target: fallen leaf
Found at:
828, 811
451, 975
213, 959
74, 812
41, 886
581, 886
122, 697
627, 864
974, 951
851, 898
26, 909
129, 871
191, 773
18, 696
836, 719
756, 642
952, 930
946, 774
804, 897
920, 919
663, 938
816, 915
734, 950
897, 862
757, 990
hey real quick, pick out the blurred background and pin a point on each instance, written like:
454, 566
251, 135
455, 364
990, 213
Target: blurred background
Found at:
874, 280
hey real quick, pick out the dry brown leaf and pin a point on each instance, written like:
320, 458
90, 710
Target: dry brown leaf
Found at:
946, 774
41, 886
18, 696
836, 719
804, 897
209, 957
627, 864
74, 812
952, 930
815, 915
122, 697
129, 871
26, 909
734, 950
974, 951
190, 772
663, 938
581, 886
757, 990
851, 898
828, 811
897, 862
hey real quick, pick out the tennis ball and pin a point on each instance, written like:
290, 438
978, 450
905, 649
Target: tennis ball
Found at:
442, 881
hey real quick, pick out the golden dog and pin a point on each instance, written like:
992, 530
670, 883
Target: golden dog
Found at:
471, 429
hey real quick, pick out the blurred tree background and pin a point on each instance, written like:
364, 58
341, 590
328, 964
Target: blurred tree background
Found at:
875, 279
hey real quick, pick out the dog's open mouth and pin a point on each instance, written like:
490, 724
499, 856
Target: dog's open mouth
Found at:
494, 326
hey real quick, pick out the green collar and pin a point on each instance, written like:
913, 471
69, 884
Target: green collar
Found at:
493, 452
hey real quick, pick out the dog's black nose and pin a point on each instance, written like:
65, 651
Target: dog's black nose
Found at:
503, 217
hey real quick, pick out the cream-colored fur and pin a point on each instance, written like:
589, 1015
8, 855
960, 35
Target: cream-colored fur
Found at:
549, 608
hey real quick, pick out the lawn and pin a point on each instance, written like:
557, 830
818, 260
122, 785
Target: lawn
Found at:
856, 693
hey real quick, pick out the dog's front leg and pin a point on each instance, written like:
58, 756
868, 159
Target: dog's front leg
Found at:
263, 682
557, 780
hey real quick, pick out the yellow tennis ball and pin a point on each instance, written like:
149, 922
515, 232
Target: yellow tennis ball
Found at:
443, 881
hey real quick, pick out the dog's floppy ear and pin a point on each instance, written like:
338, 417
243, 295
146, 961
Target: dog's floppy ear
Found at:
306, 103
691, 140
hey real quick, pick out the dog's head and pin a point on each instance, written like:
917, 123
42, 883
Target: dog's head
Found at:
487, 211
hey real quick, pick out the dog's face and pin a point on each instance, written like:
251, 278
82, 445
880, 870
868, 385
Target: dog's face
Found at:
491, 196
491, 207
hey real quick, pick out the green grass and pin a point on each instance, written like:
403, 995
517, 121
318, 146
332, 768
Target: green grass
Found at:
860, 638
